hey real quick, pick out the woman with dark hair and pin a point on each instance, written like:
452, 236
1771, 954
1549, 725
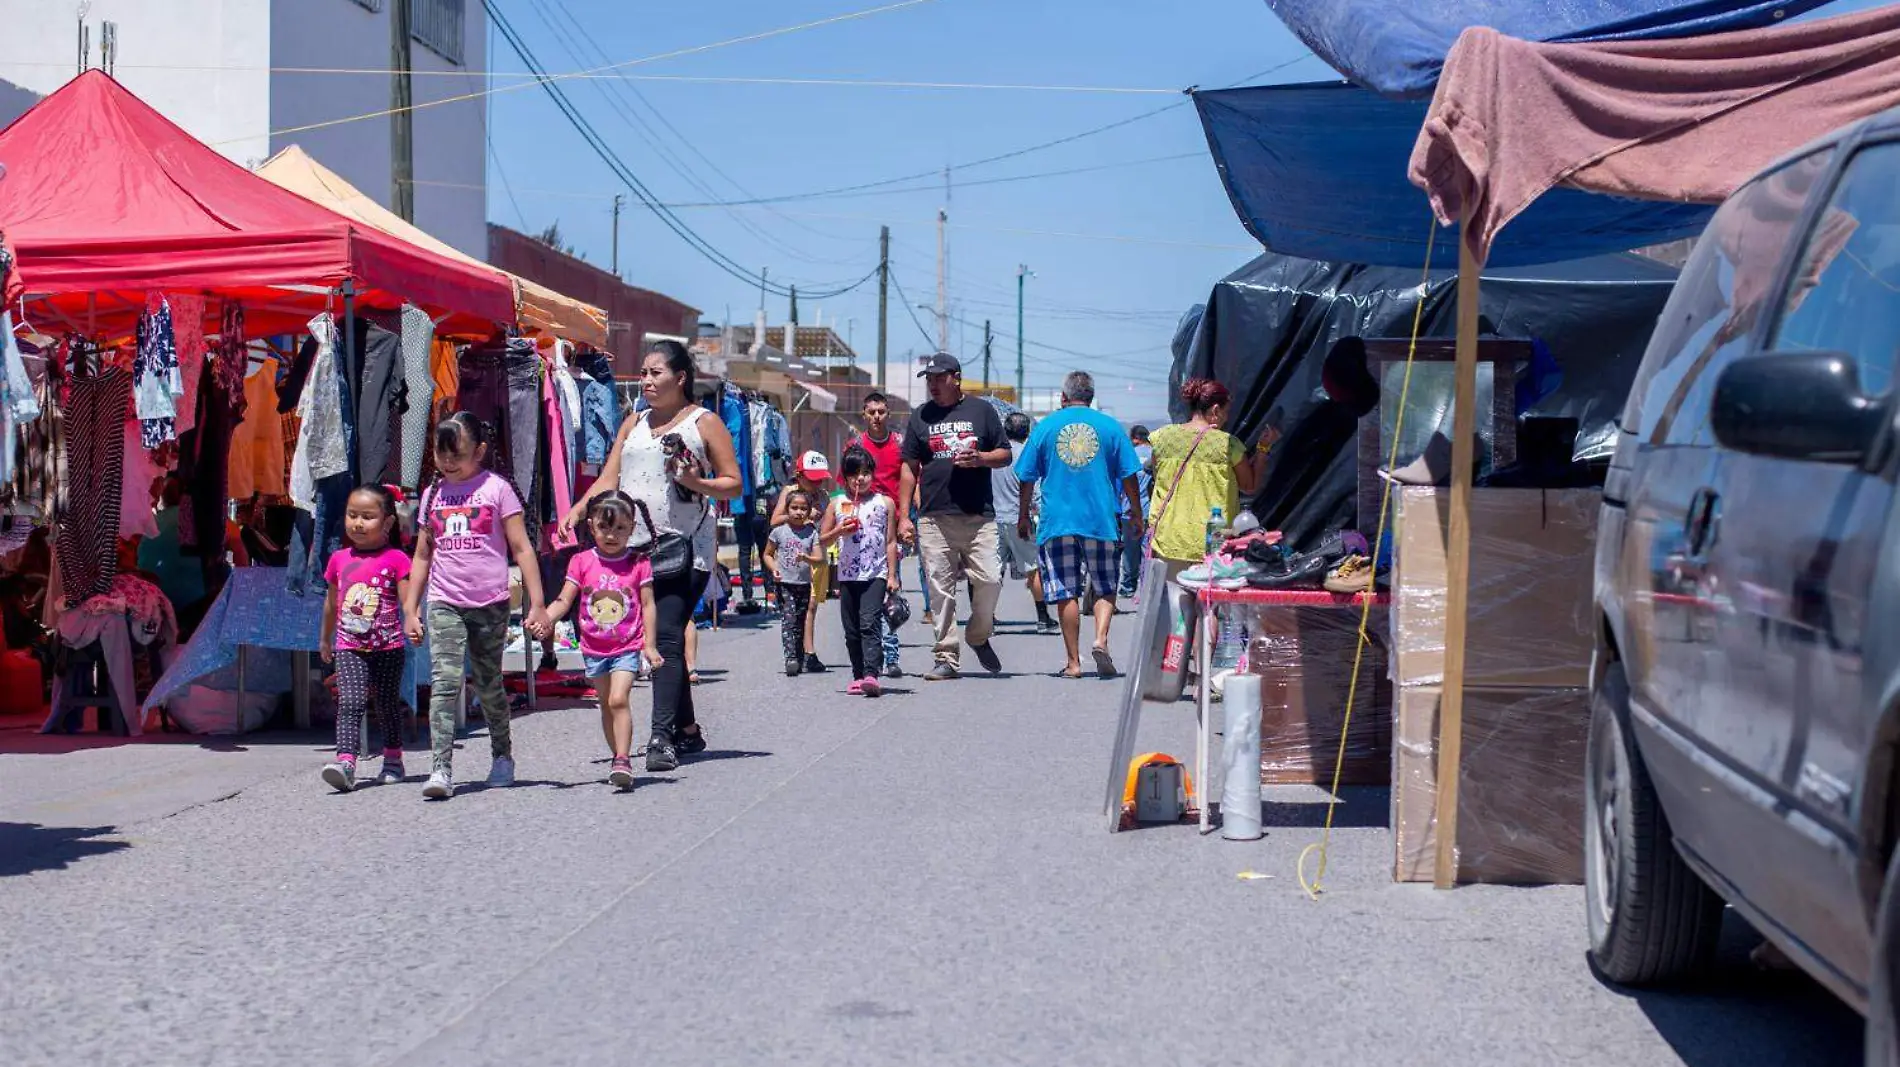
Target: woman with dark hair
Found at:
676, 458
1199, 467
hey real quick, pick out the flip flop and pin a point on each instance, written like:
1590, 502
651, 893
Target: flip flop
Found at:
1104, 663
1064, 674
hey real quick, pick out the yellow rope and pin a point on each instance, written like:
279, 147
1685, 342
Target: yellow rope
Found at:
1313, 887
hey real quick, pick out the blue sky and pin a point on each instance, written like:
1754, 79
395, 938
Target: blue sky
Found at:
1120, 252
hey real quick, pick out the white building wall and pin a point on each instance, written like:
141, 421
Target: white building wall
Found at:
225, 103
207, 65
450, 140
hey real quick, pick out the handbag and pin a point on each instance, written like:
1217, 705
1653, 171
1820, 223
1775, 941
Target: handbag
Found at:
669, 554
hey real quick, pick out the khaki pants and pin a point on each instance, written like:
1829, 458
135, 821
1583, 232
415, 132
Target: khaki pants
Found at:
961, 546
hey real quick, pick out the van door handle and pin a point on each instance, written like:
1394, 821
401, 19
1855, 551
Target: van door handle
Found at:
1699, 528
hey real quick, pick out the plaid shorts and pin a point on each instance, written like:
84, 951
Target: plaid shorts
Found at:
1067, 560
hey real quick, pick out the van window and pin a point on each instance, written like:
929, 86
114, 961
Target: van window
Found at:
1722, 294
1845, 297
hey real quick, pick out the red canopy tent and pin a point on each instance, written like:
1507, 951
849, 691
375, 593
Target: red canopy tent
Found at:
105, 199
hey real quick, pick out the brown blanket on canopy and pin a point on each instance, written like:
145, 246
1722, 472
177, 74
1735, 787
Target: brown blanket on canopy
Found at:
1687, 119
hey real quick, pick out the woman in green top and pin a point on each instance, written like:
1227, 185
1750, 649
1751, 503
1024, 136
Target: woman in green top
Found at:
1199, 467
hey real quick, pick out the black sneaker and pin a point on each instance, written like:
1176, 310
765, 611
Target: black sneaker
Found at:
794, 667
893, 670
694, 743
1048, 626
812, 665
661, 756
986, 655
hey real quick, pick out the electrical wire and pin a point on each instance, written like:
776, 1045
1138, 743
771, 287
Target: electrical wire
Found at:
911, 310
614, 163
542, 77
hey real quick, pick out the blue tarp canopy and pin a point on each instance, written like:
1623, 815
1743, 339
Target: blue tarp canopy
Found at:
1318, 171
1398, 48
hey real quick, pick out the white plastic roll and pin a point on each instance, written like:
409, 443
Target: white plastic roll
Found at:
1240, 760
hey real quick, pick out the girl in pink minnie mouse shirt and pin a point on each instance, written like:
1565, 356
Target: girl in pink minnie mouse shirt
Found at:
612, 586
362, 632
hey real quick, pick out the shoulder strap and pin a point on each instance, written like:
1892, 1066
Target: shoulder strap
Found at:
1176, 484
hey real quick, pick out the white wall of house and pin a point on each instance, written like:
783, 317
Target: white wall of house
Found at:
208, 66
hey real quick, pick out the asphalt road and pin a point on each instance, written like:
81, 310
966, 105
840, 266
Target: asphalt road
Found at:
923, 879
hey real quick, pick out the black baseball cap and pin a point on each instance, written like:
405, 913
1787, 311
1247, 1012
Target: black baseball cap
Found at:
940, 363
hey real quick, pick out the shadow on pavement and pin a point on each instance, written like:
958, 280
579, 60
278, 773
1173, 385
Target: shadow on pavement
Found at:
1359, 808
27, 847
1739, 1013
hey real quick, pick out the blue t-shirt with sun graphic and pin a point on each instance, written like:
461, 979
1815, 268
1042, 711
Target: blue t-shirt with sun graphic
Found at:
1080, 456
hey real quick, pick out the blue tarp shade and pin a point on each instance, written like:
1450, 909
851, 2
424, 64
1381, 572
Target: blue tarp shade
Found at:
1318, 171
1398, 48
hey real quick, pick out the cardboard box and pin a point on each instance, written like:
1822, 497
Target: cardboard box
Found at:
1529, 617
1520, 792
1304, 657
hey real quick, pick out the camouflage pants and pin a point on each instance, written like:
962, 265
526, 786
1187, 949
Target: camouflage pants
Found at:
466, 642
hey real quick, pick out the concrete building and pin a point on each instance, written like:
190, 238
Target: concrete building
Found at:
237, 74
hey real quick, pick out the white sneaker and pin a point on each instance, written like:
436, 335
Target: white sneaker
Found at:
341, 776
502, 774
441, 786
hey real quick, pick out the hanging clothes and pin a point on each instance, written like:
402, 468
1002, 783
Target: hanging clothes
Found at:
257, 445
39, 476
501, 385
232, 356
204, 460
418, 345
733, 412
382, 396
600, 406
290, 383
136, 482
322, 449
156, 382
560, 464
568, 392
774, 445
95, 454
188, 339
445, 369
19, 406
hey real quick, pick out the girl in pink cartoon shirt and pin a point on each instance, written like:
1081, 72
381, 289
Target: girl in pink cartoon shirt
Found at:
612, 587
362, 632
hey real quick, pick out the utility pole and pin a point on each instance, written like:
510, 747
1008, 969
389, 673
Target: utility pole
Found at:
883, 299
943, 308
986, 356
402, 141
763, 271
618, 200
1022, 272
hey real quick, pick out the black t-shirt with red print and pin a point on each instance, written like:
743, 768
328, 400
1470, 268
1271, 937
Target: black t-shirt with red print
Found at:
933, 437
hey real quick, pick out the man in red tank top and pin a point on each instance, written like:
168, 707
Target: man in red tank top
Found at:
886, 446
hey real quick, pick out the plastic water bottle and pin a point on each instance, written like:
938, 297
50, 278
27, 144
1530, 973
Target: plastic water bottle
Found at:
1230, 639
1216, 531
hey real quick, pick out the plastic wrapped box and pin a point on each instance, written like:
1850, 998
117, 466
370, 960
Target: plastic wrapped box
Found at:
1528, 619
1304, 657
1520, 792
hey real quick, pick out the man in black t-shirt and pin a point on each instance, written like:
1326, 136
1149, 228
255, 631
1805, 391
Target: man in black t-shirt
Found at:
951, 444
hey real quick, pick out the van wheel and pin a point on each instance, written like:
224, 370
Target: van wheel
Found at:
1651, 918
1883, 1013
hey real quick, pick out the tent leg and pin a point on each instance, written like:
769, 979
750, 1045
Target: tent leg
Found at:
1457, 567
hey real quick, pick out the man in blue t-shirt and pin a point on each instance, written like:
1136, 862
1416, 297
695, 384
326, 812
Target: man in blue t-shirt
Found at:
1087, 466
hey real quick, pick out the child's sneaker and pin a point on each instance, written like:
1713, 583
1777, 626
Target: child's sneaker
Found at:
620, 775
692, 744
869, 687
502, 774
794, 667
341, 773
855, 688
813, 665
441, 785
392, 772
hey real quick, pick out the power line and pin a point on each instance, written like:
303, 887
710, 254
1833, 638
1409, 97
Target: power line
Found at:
543, 77
910, 309
619, 168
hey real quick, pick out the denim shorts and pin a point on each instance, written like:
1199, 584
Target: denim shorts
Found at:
622, 663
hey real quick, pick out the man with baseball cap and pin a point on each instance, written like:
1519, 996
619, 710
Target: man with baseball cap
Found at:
813, 476
951, 444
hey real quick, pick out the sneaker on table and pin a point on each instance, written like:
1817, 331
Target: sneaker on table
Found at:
340, 774
441, 785
1219, 571
502, 773
1353, 575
